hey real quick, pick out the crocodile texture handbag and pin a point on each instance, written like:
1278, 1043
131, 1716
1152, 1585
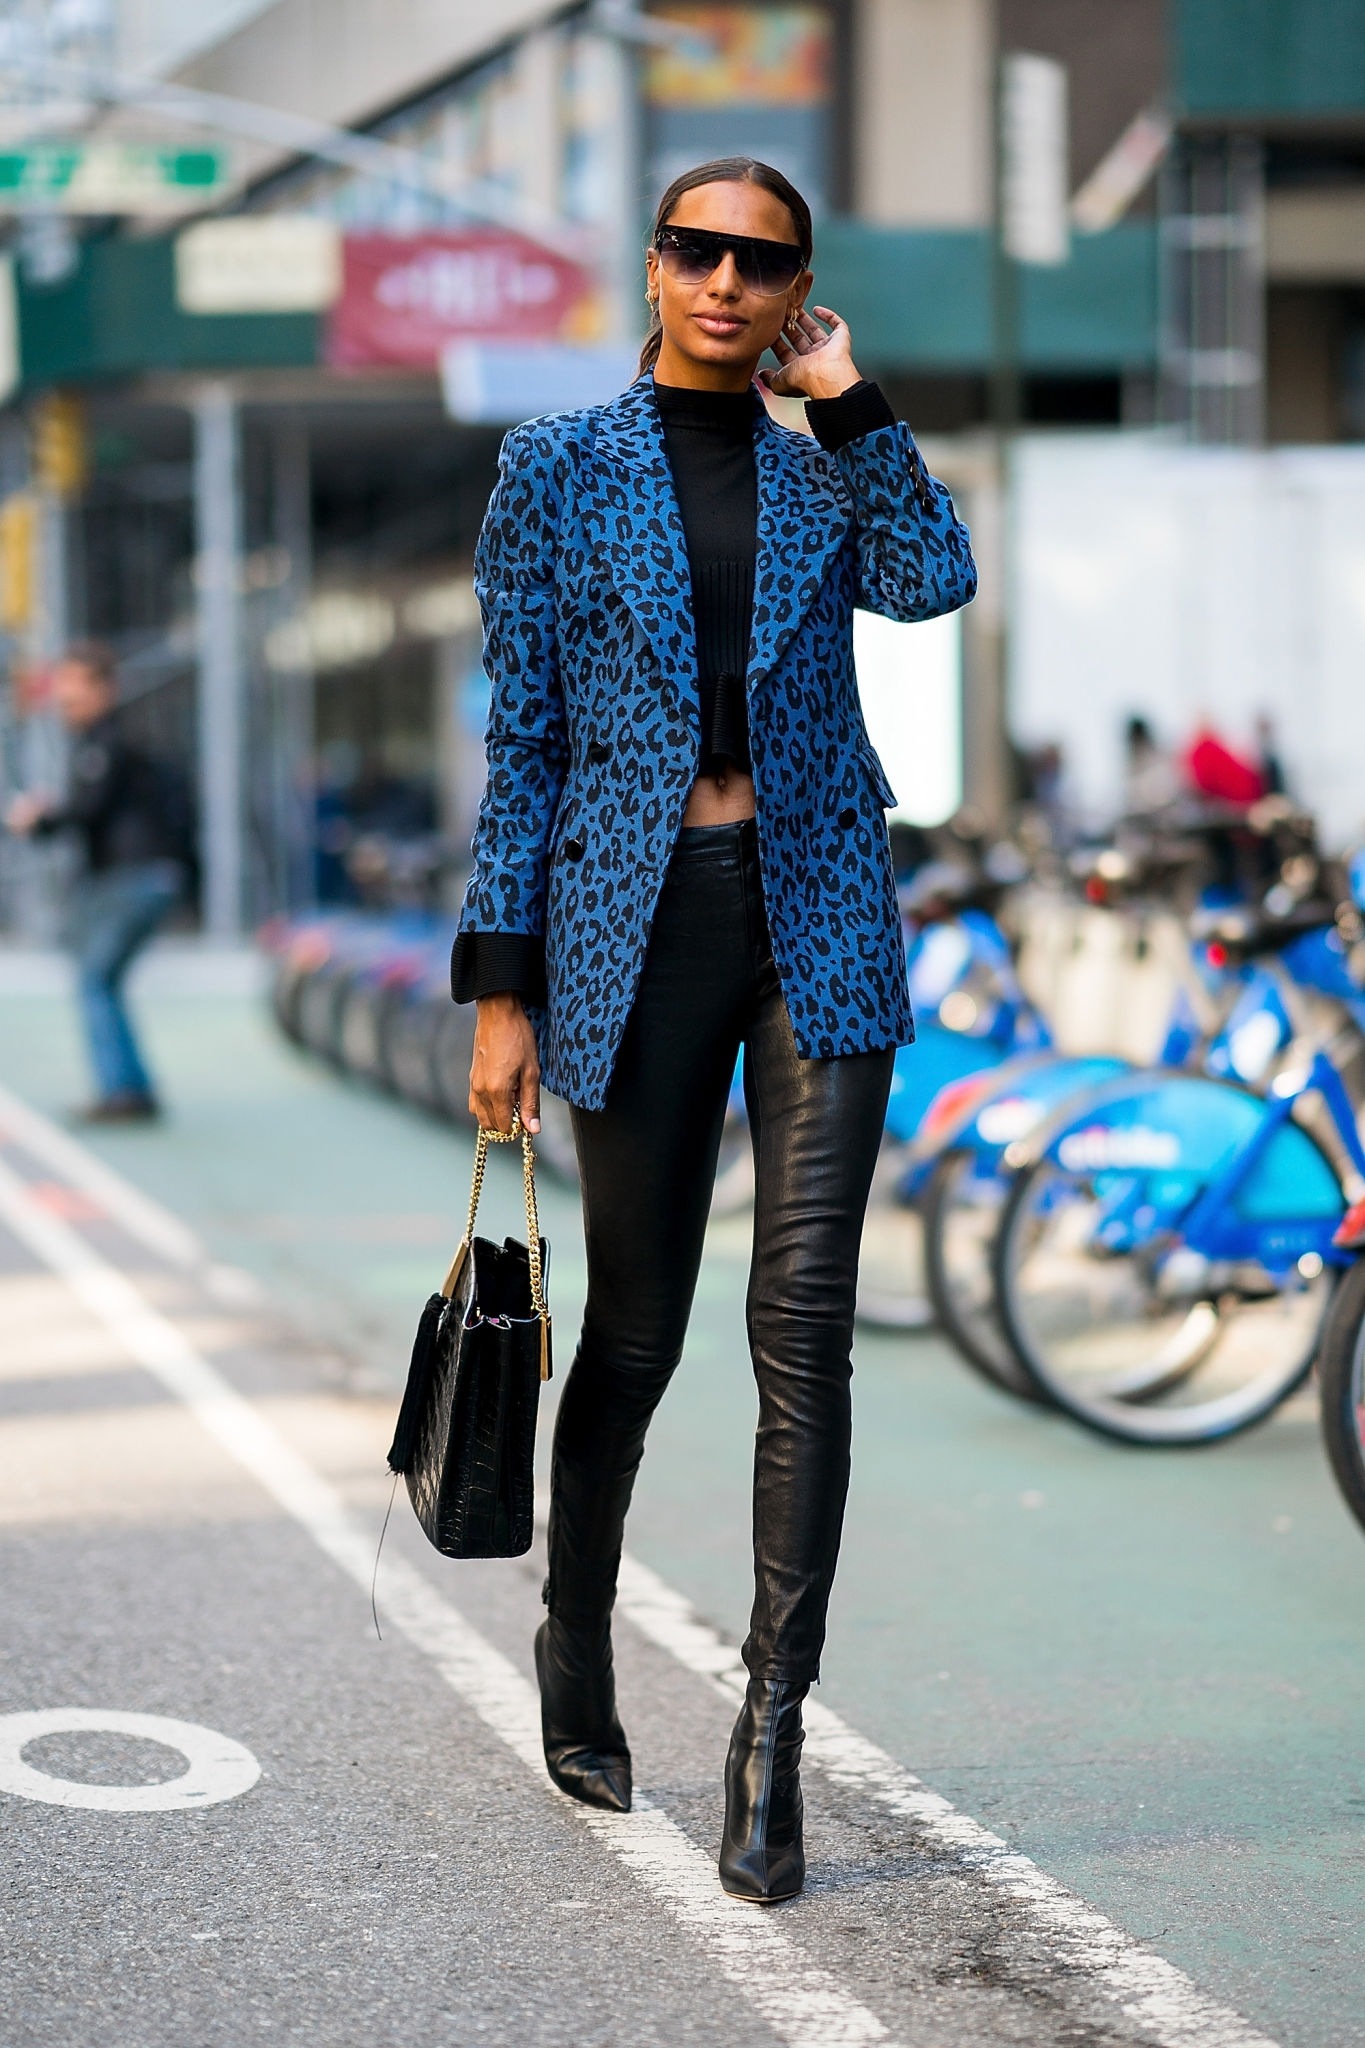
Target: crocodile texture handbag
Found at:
465, 1440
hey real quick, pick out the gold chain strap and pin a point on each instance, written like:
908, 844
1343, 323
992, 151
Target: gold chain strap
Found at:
528, 1177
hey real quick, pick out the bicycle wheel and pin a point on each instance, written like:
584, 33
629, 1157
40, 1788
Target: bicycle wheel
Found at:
409, 1040
319, 1008
360, 1031
286, 986
1341, 1378
961, 1215
1131, 1343
891, 1289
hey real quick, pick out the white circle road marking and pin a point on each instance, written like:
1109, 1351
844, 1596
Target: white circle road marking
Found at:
217, 1768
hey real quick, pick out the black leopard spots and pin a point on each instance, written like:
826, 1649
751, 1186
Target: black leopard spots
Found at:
592, 738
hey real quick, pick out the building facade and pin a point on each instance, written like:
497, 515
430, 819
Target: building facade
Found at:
418, 191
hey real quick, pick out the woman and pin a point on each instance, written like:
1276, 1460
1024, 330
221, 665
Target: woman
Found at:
682, 848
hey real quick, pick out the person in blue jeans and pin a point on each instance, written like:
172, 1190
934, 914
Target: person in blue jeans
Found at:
131, 814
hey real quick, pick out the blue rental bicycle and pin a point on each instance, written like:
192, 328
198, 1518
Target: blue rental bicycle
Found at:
1167, 1251
956, 1172
971, 1017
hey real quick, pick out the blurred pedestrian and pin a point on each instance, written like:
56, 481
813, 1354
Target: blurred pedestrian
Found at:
668, 584
1150, 781
132, 816
1273, 779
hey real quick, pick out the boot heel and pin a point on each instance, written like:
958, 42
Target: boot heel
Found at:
762, 1854
585, 1745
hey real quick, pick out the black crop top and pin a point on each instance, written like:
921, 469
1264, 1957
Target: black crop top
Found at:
709, 436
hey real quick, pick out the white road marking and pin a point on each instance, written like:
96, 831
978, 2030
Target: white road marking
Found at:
1152, 1993
216, 1767
137, 1214
804, 2006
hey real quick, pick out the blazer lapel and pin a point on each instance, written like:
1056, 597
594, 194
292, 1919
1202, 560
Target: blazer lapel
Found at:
633, 524
802, 524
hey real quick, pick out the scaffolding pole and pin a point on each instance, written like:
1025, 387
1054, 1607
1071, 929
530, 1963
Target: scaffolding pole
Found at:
218, 549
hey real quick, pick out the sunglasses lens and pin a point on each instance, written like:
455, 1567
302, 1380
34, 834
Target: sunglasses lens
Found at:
768, 268
687, 259
775, 269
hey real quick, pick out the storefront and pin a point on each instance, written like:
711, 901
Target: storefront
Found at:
292, 410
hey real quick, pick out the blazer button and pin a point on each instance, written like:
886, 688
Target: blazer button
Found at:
598, 752
847, 820
575, 848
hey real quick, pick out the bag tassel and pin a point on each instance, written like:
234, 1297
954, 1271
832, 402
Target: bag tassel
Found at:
374, 1576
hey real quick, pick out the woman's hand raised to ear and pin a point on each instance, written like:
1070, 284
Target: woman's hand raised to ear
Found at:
815, 359
505, 1074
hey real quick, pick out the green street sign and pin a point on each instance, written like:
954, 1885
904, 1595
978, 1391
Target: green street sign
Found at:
109, 177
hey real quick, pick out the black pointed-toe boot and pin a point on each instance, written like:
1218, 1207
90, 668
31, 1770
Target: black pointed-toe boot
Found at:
585, 1744
762, 1856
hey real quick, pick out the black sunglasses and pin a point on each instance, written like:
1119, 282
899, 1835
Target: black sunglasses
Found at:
690, 255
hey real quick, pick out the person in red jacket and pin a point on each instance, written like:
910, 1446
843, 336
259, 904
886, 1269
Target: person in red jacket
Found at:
1213, 770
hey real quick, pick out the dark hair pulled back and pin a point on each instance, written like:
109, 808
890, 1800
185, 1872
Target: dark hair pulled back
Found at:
725, 170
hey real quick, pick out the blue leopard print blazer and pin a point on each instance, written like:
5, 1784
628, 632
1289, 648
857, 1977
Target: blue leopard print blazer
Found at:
594, 731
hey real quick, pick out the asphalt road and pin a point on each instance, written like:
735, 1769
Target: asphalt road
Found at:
1137, 1679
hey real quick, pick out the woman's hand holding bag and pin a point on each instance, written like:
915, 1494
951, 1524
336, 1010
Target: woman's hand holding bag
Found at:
504, 1078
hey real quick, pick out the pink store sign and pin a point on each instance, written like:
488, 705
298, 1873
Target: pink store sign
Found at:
405, 298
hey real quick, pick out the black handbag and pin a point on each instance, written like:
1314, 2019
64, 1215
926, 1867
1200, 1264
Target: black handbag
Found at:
466, 1434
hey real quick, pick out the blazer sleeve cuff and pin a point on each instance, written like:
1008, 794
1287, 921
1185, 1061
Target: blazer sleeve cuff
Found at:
497, 963
862, 409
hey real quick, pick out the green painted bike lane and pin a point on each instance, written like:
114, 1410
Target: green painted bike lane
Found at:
1147, 1671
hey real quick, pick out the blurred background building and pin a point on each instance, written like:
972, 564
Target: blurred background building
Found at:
279, 273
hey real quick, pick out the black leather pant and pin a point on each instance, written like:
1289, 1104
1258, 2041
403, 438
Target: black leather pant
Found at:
648, 1162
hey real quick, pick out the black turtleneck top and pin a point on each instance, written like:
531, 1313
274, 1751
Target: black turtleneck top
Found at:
709, 437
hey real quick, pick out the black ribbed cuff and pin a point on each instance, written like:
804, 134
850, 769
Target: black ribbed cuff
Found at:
497, 963
862, 409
